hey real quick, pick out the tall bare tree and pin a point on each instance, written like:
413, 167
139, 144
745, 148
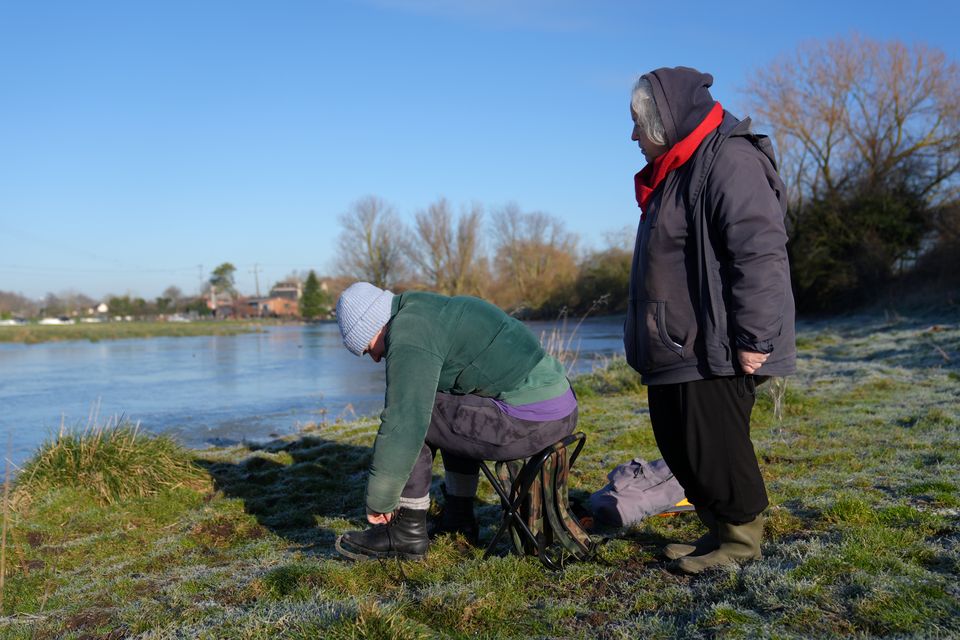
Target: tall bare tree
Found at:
535, 257
446, 251
856, 113
373, 243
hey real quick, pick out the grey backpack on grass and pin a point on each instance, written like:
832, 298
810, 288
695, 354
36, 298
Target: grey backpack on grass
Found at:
637, 490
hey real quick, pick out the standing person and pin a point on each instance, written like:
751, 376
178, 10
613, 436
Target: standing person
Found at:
462, 377
711, 311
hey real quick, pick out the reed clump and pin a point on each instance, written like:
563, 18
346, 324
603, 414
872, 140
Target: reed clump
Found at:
113, 461
559, 342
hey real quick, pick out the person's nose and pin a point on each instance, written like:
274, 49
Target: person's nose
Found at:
635, 136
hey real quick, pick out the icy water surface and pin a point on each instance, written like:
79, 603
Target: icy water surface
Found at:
210, 390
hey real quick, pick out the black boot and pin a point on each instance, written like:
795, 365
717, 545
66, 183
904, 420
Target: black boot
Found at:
405, 536
457, 517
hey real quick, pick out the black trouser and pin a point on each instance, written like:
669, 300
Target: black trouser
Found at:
703, 432
467, 429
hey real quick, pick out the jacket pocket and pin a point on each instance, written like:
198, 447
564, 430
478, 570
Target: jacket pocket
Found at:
713, 325
655, 347
630, 337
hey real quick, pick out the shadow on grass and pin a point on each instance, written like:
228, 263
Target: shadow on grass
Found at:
292, 487
301, 489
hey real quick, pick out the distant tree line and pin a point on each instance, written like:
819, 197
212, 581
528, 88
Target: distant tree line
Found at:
77, 304
315, 302
526, 262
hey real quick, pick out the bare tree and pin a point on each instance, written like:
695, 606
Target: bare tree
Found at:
856, 113
447, 252
169, 300
373, 243
622, 239
535, 257
16, 304
52, 305
173, 293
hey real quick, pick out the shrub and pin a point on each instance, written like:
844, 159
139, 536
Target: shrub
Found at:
845, 246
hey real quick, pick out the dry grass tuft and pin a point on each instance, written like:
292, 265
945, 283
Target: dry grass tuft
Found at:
112, 461
559, 342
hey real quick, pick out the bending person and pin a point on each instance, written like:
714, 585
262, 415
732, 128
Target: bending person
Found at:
462, 377
710, 309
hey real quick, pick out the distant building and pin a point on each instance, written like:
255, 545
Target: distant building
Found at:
221, 303
283, 308
288, 290
253, 307
268, 308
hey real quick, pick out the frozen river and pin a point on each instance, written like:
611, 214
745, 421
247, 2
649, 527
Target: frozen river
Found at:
211, 389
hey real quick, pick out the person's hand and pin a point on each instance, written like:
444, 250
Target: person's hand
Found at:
750, 361
379, 518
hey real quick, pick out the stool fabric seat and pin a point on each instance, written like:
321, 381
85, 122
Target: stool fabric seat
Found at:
536, 509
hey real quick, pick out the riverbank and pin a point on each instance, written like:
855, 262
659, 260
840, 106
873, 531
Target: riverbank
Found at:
861, 539
95, 332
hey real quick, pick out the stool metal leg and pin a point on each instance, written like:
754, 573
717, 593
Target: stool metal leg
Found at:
511, 506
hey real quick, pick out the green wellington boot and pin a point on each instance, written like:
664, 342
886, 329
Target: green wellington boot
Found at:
738, 543
704, 544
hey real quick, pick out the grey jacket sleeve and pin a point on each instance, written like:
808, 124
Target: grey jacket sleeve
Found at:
748, 223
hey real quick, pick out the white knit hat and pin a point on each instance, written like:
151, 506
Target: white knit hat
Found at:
362, 310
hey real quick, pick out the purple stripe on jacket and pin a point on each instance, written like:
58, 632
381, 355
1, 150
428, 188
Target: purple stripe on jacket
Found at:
543, 411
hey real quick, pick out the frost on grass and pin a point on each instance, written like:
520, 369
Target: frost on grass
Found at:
860, 453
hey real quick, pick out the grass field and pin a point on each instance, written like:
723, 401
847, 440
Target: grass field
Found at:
34, 333
862, 540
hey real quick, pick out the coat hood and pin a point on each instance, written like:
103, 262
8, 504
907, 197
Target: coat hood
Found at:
683, 99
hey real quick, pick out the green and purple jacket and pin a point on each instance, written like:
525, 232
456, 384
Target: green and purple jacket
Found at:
456, 345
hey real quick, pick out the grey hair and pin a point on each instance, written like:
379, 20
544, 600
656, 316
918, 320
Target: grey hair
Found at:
645, 108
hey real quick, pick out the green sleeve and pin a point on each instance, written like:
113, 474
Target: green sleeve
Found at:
412, 378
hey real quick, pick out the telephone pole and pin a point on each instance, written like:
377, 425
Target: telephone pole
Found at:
256, 277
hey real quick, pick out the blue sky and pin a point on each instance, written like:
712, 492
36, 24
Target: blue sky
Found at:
143, 143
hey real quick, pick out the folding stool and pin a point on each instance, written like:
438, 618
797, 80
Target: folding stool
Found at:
536, 509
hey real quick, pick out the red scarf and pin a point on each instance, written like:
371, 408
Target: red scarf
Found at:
650, 177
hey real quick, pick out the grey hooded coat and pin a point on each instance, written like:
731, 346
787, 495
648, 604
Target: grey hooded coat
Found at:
710, 273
